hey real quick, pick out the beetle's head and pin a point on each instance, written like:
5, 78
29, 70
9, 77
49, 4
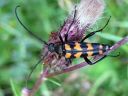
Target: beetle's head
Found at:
51, 47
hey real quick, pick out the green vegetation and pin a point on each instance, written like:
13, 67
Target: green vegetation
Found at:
19, 51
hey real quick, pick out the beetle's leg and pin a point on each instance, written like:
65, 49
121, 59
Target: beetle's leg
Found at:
69, 61
61, 39
66, 38
88, 61
94, 32
91, 63
66, 35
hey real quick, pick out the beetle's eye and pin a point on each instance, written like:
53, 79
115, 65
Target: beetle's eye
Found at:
51, 47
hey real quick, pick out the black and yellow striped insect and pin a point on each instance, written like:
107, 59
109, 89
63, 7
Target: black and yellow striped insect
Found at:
72, 49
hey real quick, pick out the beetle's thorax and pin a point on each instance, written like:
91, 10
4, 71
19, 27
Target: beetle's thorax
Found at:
57, 48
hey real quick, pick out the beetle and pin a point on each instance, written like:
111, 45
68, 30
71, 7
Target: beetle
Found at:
73, 49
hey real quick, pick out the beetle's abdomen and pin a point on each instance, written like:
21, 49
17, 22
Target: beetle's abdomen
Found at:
77, 49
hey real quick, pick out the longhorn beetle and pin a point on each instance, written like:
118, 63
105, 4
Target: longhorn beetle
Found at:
73, 49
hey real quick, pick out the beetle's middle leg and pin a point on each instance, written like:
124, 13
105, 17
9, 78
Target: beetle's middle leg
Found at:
69, 61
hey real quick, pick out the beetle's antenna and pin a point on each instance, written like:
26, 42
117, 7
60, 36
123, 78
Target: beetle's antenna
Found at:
28, 77
30, 32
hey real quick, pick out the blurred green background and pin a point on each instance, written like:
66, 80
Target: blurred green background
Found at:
19, 51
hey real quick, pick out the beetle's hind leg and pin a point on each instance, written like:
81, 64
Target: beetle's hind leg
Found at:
88, 61
91, 63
